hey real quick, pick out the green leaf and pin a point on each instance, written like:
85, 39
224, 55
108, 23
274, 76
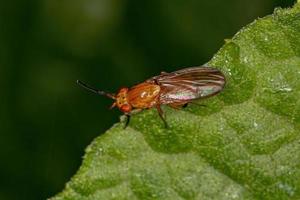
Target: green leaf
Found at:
245, 144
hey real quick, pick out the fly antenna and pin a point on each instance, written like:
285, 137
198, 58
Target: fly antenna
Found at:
96, 91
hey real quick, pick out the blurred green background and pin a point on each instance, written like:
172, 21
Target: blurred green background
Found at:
46, 120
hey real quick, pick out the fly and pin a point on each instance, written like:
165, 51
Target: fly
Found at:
175, 89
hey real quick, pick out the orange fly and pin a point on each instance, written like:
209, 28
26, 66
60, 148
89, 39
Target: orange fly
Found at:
175, 89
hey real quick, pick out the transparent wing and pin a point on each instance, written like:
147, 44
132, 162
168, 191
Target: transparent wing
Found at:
189, 84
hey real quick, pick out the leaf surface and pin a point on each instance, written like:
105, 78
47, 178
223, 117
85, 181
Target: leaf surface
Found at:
244, 144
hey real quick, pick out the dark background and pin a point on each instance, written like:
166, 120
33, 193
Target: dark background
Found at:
46, 120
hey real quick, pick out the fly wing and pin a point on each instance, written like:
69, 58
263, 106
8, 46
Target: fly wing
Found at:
189, 84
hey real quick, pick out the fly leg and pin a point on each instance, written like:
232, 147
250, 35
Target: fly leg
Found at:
128, 116
127, 120
161, 115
